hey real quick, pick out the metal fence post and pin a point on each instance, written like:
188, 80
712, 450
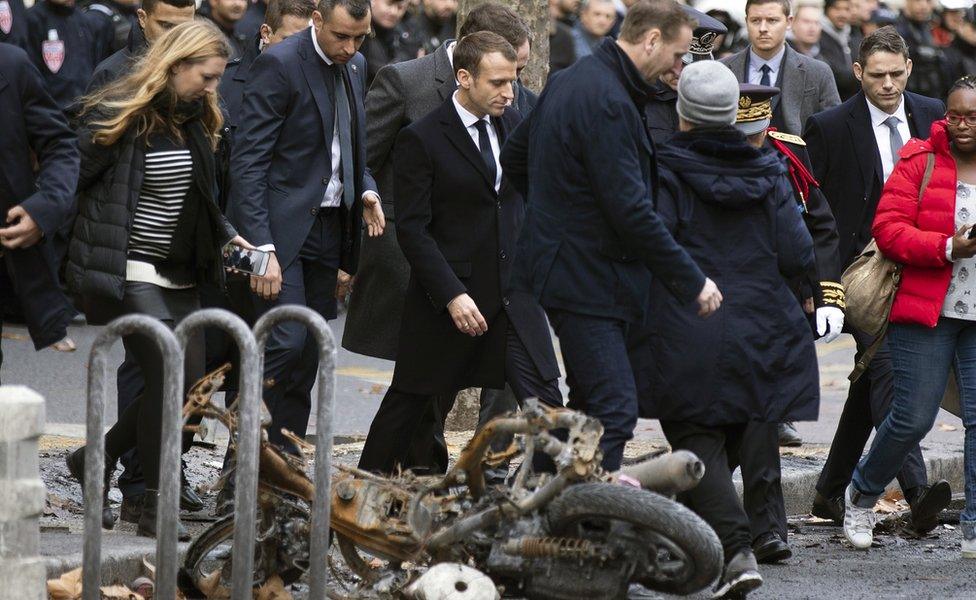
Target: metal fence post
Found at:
22, 494
168, 509
316, 325
248, 438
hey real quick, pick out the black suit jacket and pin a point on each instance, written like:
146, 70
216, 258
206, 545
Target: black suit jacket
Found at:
34, 125
458, 236
280, 161
847, 163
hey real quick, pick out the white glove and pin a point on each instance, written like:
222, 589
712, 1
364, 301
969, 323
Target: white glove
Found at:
830, 322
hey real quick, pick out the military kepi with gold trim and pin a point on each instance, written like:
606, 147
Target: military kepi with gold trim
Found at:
704, 36
755, 108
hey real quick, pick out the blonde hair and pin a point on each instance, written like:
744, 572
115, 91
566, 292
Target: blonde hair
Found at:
145, 97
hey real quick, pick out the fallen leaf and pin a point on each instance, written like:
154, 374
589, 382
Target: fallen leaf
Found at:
211, 588
947, 427
273, 589
119, 592
14, 336
66, 587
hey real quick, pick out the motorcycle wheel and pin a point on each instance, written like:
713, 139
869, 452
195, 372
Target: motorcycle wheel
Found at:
684, 552
212, 551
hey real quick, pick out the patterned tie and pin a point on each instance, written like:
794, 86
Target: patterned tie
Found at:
895, 137
344, 114
766, 70
484, 144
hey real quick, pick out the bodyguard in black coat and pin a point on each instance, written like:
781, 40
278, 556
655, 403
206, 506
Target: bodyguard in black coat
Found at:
34, 127
13, 23
458, 220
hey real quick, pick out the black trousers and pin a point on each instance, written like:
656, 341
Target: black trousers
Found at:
868, 402
762, 489
714, 499
404, 422
291, 357
139, 425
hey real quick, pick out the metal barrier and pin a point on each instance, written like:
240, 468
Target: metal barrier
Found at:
316, 326
248, 440
167, 515
172, 345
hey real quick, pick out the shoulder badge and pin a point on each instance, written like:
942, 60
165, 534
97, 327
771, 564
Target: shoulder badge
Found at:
787, 137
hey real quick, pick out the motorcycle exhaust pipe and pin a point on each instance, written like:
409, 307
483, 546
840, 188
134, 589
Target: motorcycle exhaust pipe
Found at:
668, 474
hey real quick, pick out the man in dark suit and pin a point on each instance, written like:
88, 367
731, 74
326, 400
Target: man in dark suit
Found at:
806, 84
402, 94
854, 148
458, 223
303, 105
591, 238
34, 205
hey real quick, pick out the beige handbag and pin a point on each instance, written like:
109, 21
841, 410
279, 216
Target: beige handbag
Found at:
870, 283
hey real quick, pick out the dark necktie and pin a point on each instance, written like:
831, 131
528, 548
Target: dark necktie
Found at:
894, 137
484, 144
344, 114
765, 75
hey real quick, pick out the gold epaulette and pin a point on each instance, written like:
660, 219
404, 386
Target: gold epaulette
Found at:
789, 138
833, 294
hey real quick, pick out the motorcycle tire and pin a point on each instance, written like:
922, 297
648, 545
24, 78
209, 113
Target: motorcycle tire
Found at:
654, 516
220, 532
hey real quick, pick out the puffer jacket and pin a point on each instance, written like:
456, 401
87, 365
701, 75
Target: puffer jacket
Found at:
914, 233
108, 192
731, 207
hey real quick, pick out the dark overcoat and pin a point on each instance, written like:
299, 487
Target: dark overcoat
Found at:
731, 207
33, 124
591, 238
459, 235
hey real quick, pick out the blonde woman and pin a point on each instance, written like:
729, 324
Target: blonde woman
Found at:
149, 230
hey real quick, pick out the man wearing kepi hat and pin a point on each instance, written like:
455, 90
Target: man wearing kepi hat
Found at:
662, 118
731, 206
821, 297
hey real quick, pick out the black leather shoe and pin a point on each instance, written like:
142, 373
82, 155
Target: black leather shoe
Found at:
131, 508
147, 520
76, 466
828, 508
789, 436
189, 500
927, 501
769, 548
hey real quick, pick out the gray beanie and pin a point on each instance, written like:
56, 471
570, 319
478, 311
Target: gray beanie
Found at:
708, 94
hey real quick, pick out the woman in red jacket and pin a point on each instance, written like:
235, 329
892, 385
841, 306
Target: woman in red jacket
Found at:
933, 319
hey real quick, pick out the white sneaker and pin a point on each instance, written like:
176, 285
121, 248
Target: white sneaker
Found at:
968, 539
858, 522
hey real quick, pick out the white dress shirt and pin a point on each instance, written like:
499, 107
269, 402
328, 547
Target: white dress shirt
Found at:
882, 134
333, 192
756, 63
469, 121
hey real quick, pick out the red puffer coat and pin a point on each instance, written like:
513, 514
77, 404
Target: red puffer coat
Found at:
914, 233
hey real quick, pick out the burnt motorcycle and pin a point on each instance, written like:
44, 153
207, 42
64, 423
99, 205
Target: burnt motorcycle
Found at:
572, 532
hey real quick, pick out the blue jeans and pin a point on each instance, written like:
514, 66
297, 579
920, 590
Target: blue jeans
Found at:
922, 358
600, 376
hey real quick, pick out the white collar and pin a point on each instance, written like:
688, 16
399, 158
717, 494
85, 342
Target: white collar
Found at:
467, 118
450, 54
318, 49
756, 62
879, 116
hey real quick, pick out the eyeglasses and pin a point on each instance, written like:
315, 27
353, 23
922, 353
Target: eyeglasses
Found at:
955, 119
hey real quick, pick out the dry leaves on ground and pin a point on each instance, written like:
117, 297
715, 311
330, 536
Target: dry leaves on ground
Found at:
68, 587
274, 589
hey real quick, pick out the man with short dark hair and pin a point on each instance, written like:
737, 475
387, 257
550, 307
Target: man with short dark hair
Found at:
226, 14
458, 222
402, 94
591, 239
806, 85
853, 148
300, 188
839, 45
154, 18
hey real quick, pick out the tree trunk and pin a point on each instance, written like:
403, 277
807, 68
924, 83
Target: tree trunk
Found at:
536, 14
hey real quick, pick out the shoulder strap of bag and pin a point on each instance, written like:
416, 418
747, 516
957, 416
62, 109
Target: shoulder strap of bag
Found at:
865, 360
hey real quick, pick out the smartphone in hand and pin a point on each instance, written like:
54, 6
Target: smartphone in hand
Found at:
252, 262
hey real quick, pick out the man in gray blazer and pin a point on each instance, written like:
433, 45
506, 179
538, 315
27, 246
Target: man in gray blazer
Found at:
806, 85
401, 94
